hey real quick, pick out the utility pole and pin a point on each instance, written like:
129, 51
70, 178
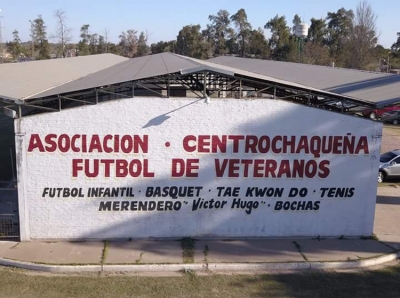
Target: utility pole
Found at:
106, 38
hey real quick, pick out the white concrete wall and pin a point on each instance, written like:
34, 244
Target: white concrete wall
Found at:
170, 120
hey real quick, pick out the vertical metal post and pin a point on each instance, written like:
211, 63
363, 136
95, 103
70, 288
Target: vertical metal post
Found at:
298, 42
240, 88
133, 89
168, 88
274, 92
97, 96
301, 49
205, 84
59, 103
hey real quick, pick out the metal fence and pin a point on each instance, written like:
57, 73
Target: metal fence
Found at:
7, 226
9, 219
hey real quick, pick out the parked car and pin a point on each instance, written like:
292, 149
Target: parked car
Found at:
338, 105
389, 165
391, 117
377, 113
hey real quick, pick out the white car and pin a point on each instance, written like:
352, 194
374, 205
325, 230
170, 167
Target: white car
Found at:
389, 165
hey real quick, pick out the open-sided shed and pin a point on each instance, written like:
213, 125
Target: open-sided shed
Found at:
170, 146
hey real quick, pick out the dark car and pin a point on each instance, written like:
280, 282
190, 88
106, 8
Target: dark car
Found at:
391, 117
389, 165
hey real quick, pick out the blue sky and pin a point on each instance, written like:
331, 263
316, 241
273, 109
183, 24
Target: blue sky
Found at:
164, 19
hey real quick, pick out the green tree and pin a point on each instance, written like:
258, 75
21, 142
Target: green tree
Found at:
208, 35
102, 46
163, 46
396, 45
232, 46
113, 48
142, 49
258, 45
243, 28
83, 45
128, 43
39, 35
296, 21
220, 31
190, 42
317, 31
340, 25
93, 44
395, 54
281, 42
14, 47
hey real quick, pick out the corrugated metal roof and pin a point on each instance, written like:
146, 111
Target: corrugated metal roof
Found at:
364, 85
133, 69
26, 79
245, 73
160, 64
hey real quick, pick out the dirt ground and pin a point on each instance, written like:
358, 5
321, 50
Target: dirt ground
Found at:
390, 138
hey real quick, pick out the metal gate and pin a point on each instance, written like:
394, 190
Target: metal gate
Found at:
9, 218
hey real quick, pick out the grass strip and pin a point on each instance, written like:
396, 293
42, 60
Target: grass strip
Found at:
311, 284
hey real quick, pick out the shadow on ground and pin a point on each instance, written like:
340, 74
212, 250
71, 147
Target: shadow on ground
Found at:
382, 283
388, 200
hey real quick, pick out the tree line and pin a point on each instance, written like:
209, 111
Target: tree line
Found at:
347, 38
131, 44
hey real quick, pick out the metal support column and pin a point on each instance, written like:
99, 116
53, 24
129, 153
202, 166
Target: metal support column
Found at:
168, 88
59, 103
205, 84
240, 88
